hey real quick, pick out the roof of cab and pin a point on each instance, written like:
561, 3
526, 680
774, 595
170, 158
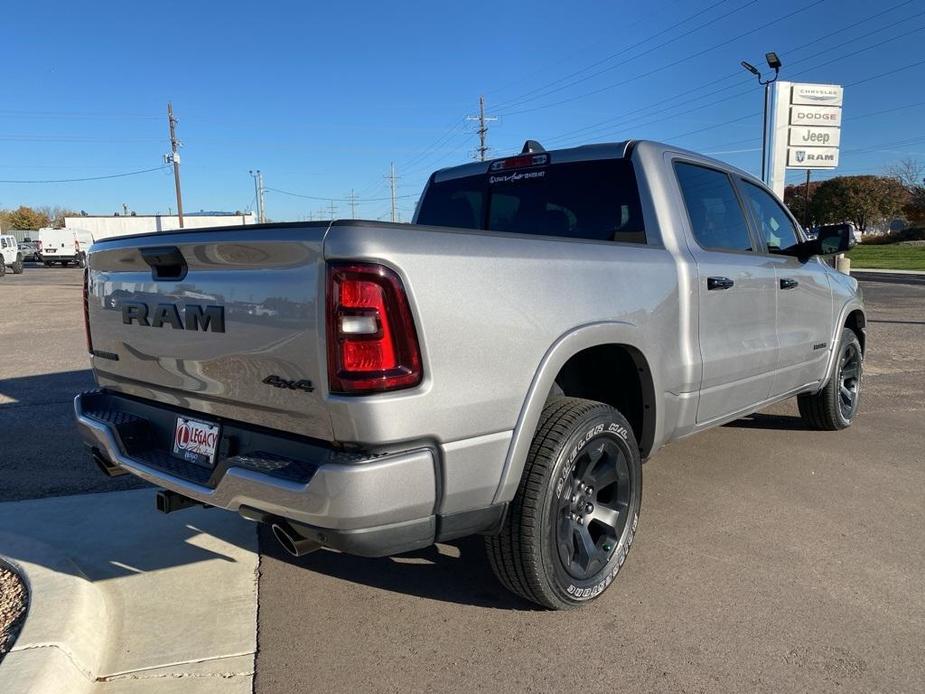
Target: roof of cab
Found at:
605, 150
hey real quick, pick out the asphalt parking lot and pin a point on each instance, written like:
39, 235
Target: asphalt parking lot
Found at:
769, 557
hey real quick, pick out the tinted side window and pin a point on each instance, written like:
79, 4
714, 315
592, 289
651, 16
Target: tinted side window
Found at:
716, 217
777, 230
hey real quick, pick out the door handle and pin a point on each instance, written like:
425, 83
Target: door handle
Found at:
787, 283
719, 283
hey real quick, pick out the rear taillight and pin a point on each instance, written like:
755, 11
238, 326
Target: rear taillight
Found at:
372, 343
87, 309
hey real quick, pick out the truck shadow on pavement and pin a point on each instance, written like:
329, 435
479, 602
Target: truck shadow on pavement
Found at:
454, 572
44, 455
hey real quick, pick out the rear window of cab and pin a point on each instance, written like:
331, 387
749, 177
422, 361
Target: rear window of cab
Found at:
596, 199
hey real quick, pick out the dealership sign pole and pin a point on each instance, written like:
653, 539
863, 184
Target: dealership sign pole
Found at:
805, 129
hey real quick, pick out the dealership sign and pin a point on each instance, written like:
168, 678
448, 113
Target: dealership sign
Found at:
804, 129
812, 157
814, 136
828, 116
817, 94
813, 126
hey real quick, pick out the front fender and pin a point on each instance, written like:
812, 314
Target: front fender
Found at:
850, 306
569, 344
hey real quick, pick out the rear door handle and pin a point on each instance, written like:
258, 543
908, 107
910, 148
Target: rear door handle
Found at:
719, 283
787, 283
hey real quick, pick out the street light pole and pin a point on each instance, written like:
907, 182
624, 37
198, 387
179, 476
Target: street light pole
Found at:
775, 64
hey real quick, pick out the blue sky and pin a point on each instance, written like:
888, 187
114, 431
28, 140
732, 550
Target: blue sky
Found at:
322, 96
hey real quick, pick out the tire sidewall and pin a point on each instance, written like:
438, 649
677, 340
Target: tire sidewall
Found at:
600, 423
847, 337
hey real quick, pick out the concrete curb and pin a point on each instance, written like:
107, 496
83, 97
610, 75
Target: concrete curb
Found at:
125, 599
63, 639
888, 272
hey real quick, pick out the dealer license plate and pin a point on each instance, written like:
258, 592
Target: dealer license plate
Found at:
196, 441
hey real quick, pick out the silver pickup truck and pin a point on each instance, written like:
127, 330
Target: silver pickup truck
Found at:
500, 366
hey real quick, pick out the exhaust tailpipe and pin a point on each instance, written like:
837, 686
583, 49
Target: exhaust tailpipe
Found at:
109, 468
292, 541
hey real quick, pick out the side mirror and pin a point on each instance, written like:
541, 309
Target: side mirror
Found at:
831, 240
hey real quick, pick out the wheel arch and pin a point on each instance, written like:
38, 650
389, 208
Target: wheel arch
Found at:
567, 368
857, 321
852, 316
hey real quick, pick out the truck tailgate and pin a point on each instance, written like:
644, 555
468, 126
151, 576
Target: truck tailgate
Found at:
239, 334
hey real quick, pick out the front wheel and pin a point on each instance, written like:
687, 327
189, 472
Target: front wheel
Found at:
573, 519
836, 405
81, 260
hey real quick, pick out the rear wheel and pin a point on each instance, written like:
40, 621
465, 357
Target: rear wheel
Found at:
836, 405
573, 520
17, 266
65, 263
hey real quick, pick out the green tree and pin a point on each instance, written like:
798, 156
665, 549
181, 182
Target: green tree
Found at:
861, 200
26, 218
796, 199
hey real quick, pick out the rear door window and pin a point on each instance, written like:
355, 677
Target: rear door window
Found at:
596, 199
716, 217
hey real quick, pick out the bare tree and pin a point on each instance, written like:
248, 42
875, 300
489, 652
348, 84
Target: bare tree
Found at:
911, 175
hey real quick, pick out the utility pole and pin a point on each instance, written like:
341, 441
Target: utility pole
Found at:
806, 200
482, 131
258, 195
352, 199
333, 209
392, 179
174, 158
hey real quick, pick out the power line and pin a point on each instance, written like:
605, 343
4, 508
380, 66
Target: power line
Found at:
524, 99
685, 59
625, 121
326, 198
75, 114
92, 178
622, 118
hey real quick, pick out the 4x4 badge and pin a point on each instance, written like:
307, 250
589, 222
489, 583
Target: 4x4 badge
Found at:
278, 382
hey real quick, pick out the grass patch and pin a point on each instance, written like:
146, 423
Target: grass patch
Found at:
891, 257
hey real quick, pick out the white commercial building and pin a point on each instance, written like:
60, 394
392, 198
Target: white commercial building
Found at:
105, 226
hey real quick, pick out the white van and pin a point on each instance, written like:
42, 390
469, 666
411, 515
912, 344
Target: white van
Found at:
64, 246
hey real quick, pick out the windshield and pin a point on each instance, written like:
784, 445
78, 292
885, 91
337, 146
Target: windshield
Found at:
595, 199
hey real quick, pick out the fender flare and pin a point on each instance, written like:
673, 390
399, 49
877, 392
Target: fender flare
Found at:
563, 349
849, 307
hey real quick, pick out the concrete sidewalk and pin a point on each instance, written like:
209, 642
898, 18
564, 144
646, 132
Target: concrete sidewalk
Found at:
124, 599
